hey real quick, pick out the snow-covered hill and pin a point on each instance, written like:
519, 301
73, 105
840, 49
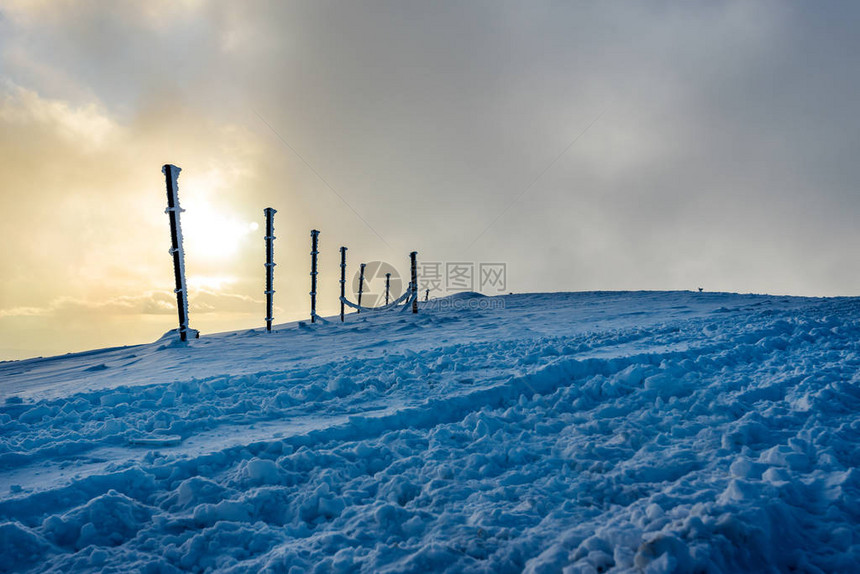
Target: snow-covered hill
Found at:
585, 432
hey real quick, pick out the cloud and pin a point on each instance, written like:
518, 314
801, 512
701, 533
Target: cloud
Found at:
150, 303
86, 126
724, 154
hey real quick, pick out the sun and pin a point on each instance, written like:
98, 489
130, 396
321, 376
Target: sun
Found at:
211, 232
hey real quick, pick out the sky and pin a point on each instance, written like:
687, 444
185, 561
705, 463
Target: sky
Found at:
587, 146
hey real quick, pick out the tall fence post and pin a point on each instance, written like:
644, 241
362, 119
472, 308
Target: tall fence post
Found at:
342, 280
171, 174
270, 265
360, 285
314, 252
413, 257
387, 286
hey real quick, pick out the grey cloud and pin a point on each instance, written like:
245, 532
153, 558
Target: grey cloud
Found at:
152, 303
725, 156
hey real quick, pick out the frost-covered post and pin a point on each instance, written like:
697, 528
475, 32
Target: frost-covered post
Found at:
387, 286
270, 264
342, 280
171, 174
413, 257
360, 285
314, 252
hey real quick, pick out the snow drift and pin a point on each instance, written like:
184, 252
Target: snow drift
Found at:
591, 432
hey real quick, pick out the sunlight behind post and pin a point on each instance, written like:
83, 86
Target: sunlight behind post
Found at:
211, 232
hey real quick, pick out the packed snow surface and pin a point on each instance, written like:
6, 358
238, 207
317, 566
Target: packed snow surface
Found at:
583, 432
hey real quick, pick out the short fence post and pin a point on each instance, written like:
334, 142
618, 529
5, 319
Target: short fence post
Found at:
270, 264
387, 286
360, 286
171, 173
314, 252
412, 257
342, 280
426, 294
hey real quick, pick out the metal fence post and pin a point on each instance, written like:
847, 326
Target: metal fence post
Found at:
314, 252
412, 257
270, 265
342, 280
360, 285
171, 173
387, 286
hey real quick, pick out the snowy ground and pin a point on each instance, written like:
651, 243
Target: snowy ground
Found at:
586, 432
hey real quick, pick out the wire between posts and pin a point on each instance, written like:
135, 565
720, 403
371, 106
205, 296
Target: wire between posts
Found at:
391, 305
412, 299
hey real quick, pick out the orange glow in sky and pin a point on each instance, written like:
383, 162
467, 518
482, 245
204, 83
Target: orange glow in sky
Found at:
589, 146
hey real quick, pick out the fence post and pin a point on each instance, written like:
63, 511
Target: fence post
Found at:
314, 252
426, 294
342, 280
270, 264
412, 257
387, 286
171, 174
360, 286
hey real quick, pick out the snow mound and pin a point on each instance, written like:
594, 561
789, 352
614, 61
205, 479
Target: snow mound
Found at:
571, 432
